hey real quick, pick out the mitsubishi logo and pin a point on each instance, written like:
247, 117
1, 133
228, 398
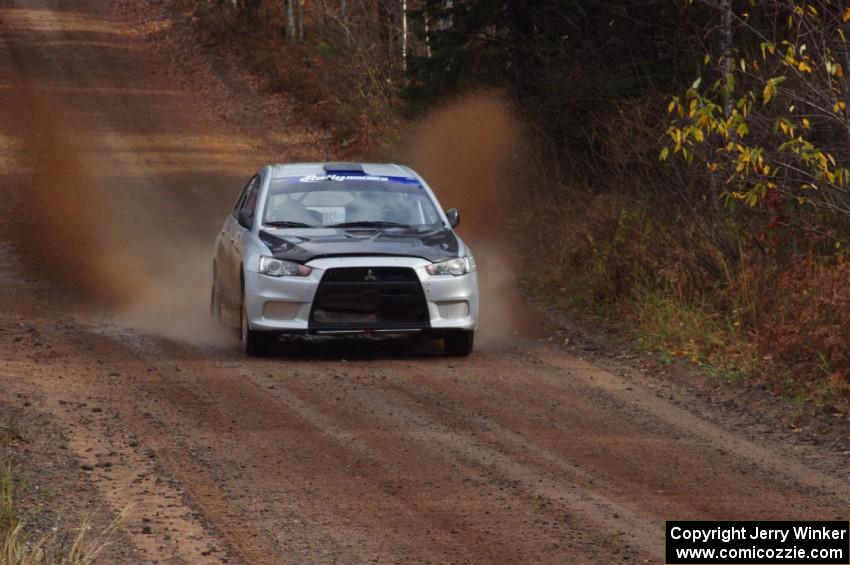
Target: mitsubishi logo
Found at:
370, 276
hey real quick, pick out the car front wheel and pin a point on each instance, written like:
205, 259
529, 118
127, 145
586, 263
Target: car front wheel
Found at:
459, 344
254, 343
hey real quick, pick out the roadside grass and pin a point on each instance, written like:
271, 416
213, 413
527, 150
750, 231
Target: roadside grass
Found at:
782, 320
17, 545
659, 323
663, 322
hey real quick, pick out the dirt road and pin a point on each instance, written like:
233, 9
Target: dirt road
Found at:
349, 451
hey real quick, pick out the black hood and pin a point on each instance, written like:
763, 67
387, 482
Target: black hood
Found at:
433, 244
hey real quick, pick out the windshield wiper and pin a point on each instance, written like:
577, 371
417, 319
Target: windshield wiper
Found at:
370, 225
283, 224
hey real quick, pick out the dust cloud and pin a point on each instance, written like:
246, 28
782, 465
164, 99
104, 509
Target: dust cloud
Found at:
108, 228
469, 151
61, 233
102, 228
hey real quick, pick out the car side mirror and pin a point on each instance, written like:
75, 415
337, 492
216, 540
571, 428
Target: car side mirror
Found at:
244, 219
453, 216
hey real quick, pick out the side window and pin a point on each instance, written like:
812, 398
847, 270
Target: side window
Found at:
240, 201
249, 203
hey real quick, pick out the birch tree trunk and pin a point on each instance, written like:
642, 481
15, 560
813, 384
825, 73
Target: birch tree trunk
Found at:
404, 34
320, 16
290, 20
343, 12
726, 59
299, 20
427, 19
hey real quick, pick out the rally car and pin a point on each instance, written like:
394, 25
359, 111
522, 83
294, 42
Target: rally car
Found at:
342, 248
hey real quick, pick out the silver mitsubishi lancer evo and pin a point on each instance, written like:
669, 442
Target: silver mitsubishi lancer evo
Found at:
342, 248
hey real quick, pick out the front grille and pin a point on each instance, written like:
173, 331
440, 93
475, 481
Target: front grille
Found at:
355, 298
370, 274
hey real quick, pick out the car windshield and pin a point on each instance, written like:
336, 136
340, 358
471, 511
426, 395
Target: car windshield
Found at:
348, 201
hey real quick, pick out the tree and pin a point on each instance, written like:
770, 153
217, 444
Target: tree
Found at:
248, 9
290, 20
319, 16
782, 145
299, 20
565, 62
393, 30
343, 12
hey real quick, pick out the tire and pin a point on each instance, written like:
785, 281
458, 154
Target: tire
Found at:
254, 343
459, 344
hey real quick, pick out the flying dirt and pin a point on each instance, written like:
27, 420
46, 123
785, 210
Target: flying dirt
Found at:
470, 151
116, 171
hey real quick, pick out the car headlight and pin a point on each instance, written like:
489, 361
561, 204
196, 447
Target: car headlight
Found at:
454, 267
280, 268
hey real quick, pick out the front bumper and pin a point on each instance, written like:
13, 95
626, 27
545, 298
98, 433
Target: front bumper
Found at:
284, 304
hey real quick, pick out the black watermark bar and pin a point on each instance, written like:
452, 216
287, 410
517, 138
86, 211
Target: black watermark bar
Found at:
757, 543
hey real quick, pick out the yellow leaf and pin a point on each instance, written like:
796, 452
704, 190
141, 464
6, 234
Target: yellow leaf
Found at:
671, 106
769, 91
846, 14
806, 123
804, 67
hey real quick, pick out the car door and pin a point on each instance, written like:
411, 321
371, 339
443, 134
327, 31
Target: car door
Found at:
242, 227
224, 253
